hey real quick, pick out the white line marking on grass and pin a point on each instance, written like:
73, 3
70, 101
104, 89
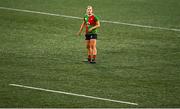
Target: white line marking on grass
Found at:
142, 26
73, 94
105, 21
36, 12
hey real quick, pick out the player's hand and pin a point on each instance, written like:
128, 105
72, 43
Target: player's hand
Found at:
78, 33
90, 30
84, 33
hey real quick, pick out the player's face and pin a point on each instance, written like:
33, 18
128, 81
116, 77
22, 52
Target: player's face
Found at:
89, 11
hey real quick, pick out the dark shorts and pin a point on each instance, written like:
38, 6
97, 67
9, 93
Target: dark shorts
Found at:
90, 36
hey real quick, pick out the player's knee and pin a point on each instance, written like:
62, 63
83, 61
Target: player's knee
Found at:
88, 47
93, 47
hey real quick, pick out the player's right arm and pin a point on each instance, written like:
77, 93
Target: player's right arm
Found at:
81, 28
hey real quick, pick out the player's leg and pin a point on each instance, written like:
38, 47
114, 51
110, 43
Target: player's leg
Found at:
88, 47
89, 50
94, 50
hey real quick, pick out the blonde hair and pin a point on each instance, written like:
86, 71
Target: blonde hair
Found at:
89, 7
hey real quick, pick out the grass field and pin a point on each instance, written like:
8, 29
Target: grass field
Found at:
134, 64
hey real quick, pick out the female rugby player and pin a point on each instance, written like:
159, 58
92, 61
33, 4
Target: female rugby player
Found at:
91, 22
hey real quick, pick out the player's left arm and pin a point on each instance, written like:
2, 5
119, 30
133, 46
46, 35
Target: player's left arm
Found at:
96, 26
81, 28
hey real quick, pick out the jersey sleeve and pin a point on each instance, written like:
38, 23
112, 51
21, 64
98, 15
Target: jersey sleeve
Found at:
96, 18
85, 18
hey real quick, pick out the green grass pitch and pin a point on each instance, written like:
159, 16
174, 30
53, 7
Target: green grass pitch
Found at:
134, 64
